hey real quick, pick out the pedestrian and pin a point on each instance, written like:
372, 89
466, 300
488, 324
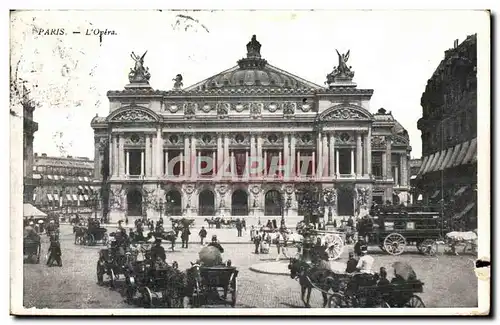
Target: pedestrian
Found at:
256, 241
277, 241
202, 234
244, 224
238, 227
54, 254
252, 233
275, 224
351, 263
185, 237
365, 262
269, 224
126, 220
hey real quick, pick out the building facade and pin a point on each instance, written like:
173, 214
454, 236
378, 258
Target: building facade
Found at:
64, 184
448, 174
242, 141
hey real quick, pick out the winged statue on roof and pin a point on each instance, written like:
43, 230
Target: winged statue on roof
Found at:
139, 73
342, 71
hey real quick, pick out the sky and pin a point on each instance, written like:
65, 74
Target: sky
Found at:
392, 52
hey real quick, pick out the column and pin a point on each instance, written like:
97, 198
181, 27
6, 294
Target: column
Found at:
142, 162
285, 160
389, 156
114, 165
214, 162
369, 152
159, 152
121, 150
352, 161
220, 152
396, 175
292, 155
384, 165
185, 159
365, 154
314, 164
359, 155
127, 162
148, 155
319, 149
337, 165
298, 163
166, 163
198, 164
404, 169
332, 156
182, 164
226, 160
264, 173
155, 169
324, 161
192, 157
233, 169
259, 154
280, 163
247, 166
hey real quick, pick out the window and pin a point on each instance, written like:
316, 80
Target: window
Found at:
377, 164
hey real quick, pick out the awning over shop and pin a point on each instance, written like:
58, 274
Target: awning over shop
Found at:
56, 177
446, 159
465, 210
471, 155
435, 194
80, 187
87, 187
34, 168
31, 211
62, 177
56, 197
37, 176
50, 177
422, 167
80, 179
68, 197
461, 154
49, 196
429, 163
439, 161
75, 198
413, 176
81, 197
456, 151
86, 179
461, 190
86, 197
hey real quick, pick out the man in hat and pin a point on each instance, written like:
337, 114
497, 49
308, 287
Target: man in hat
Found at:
352, 263
158, 252
365, 262
54, 254
215, 243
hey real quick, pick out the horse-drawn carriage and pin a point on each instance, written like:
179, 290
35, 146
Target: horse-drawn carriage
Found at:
394, 231
213, 284
91, 234
219, 222
32, 249
112, 262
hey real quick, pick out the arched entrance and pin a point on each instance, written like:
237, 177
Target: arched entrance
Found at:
134, 203
239, 203
173, 201
206, 203
345, 202
272, 203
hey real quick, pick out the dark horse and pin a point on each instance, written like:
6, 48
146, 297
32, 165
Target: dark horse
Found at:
170, 236
317, 275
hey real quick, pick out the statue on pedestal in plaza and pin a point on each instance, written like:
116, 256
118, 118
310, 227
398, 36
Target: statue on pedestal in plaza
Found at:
253, 48
342, 72
139, 74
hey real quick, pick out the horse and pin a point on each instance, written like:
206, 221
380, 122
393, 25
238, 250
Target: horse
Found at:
212, 222
170, 236
79, 234
318, 275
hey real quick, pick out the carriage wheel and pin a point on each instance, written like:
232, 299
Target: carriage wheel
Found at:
394, 244
382, 247
146, 298
337, 301
336, 247
112, 278
100, 274
105, 239
414, 302
428, 247
233, 290
91, 240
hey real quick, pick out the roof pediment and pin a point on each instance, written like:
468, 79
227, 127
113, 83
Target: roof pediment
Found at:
345, 112
133, 113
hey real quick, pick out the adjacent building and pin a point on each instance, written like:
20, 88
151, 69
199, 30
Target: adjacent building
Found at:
64, 184
448, 174
244, 141
29, 129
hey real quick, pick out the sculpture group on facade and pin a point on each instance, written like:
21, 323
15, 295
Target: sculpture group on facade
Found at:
341, 72
139, 73
178, 82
